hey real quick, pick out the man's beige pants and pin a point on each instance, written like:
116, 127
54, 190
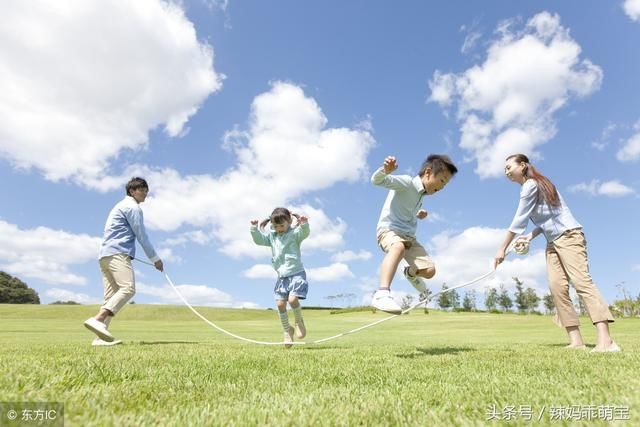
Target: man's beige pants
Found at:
567, 262
119, 282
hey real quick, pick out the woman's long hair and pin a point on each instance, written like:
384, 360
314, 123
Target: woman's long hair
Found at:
548, 191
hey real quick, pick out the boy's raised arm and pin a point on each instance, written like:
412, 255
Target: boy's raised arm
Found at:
383, 178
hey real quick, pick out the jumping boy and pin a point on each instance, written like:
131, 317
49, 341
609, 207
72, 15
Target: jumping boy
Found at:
396, 231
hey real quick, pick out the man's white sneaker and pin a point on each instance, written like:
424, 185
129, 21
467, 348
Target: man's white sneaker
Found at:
98, 328
98, 342
288, 337
415, 281
382, 301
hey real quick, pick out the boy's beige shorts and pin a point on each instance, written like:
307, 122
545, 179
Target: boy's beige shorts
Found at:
414, 253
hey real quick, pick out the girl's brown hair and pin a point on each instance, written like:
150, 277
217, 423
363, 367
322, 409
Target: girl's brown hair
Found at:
548, 191
278, 216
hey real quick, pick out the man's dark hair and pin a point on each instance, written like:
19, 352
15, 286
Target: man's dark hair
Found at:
135, 183
438, 163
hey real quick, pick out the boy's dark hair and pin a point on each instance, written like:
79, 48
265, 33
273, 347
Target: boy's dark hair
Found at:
438, 163
135, 183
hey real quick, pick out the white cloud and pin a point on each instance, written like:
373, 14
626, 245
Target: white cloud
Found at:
196, 236
57, 294
470, 41
609, 188
435, 217
331, 273
326, 234
287, 153
83, 82
196, 295
631, 150
601, 143
583, 187
506, 104
347, 256
632, 9
167, 255
260, 271
45, 254
462, 257
442, 88
217, 4
472, 36
614, 189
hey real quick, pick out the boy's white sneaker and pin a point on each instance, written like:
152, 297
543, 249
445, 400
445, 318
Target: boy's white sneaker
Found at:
415, 281
382, 301
98, 328
98, 342
301, 331
288, 337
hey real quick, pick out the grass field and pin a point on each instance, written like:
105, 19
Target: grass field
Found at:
439, 369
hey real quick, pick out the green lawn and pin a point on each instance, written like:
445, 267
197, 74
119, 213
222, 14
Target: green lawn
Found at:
438, 369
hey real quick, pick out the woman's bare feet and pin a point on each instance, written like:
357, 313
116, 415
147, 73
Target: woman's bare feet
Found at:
576, 347
610, 348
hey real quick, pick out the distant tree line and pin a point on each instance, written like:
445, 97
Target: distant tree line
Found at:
342, 298
525, 300
15, 291
626, 306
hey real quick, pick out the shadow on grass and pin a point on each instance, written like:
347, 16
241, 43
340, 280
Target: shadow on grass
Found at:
310, 347
166, 342
563, 346
434, 351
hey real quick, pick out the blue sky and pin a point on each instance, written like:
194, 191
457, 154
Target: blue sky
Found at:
233, 108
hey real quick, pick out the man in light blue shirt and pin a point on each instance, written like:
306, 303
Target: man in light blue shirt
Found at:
396, 231
125, 225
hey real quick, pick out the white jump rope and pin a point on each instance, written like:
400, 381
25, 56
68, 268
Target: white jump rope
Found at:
520, 247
